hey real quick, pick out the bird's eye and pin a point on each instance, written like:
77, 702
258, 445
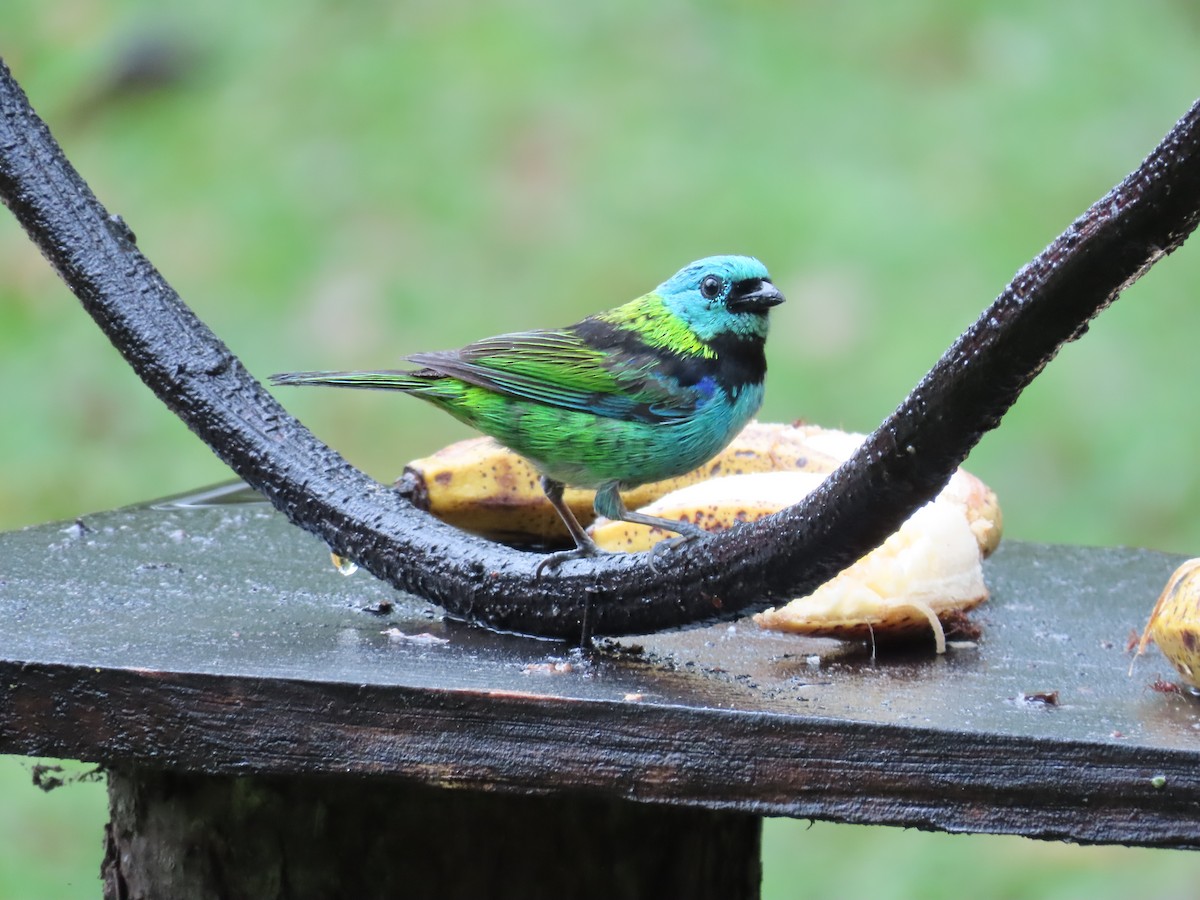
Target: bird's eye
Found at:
711, 286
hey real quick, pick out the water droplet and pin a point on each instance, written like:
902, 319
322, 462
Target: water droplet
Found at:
344, 565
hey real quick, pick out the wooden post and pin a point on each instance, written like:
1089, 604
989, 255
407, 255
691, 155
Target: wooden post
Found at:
190, 837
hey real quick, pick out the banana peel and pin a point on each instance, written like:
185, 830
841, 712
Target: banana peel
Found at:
929, 570
1174, 623
480, 486
927, 573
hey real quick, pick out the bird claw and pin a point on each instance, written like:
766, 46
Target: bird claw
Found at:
660, 550
556, 559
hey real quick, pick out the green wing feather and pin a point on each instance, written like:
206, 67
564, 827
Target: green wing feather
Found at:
559, 368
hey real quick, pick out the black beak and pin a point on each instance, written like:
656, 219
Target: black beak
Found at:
753, 295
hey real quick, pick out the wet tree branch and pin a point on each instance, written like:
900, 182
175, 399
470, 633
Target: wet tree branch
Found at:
902, 465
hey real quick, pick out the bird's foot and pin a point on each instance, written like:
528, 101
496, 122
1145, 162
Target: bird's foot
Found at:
556, 559
663, 549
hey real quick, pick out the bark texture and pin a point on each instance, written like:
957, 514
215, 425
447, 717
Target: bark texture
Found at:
197, 837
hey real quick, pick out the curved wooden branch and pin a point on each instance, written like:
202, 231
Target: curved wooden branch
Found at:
902, 465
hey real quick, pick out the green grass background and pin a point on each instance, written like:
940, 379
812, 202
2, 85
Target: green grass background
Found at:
334, 185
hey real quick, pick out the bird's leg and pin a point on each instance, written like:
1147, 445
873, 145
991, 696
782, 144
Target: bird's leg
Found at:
610, 505
584, 545
554, 493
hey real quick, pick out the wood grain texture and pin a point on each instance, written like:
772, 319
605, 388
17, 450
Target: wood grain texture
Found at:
219, 641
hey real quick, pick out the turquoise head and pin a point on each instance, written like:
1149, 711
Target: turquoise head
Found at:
722, 296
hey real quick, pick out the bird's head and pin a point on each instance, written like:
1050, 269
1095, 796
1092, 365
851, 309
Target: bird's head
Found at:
722, 295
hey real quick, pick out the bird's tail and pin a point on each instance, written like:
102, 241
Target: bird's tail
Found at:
386, 380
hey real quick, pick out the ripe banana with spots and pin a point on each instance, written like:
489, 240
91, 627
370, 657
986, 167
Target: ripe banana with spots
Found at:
483, 487
1175, 623
929, 571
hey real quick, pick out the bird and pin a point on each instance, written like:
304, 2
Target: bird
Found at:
639, 393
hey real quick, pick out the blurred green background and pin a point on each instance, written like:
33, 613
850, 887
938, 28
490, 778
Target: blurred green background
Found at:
335, 185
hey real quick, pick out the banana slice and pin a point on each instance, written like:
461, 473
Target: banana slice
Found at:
929, 569
1175, 623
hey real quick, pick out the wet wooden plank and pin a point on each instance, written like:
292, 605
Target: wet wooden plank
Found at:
216, 639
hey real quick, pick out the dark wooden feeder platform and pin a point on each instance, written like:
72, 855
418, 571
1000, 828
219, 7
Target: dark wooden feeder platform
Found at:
272, 728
